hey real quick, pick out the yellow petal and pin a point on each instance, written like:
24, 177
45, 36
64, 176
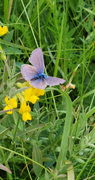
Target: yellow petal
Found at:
7, 108
40, 92
28, 93
26, 116
24, 108
33, 99
3, 30
13, 102
37, 92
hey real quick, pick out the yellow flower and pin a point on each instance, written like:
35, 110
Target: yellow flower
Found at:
38, 92
24, 110
3, 30
32, 94
10, 104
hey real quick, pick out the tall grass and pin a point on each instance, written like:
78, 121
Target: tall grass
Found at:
59, 142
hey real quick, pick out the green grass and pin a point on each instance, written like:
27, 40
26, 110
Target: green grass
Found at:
59, 142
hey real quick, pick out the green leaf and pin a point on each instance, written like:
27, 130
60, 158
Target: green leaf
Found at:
47, 175
13, 69
37, 156
79, 160
66, 131
6, 7
89, 24
12, 50
30, 129
89, 113
3, 132
9, 36
6, 71
16, 116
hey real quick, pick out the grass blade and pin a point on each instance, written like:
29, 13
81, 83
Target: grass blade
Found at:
29, 23
6, 7
66, 131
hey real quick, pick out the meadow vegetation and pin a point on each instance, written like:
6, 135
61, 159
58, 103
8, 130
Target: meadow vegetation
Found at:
53, 138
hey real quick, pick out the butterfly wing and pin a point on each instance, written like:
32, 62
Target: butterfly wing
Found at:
52, 81
28, 72
37, 60
38, 83
31, 73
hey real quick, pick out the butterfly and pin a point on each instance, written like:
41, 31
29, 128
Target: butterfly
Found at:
35, 74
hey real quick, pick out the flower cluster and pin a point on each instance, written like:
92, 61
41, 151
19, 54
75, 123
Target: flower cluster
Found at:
24, 97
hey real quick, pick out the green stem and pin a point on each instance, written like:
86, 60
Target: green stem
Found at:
39, 22
15, 130
30, 23
59, 50
26, 162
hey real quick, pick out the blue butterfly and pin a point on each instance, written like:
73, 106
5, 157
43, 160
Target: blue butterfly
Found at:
35, 74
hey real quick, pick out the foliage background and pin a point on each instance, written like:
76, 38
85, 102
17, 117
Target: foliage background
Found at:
65, 30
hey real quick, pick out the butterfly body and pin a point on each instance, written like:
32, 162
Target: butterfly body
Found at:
35, 74
42, 76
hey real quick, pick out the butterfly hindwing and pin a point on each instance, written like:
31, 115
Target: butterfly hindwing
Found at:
38, 83
52, 81
37, 60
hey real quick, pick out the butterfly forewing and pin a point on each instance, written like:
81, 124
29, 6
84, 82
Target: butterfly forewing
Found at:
52, 81
37, 60
28, 72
